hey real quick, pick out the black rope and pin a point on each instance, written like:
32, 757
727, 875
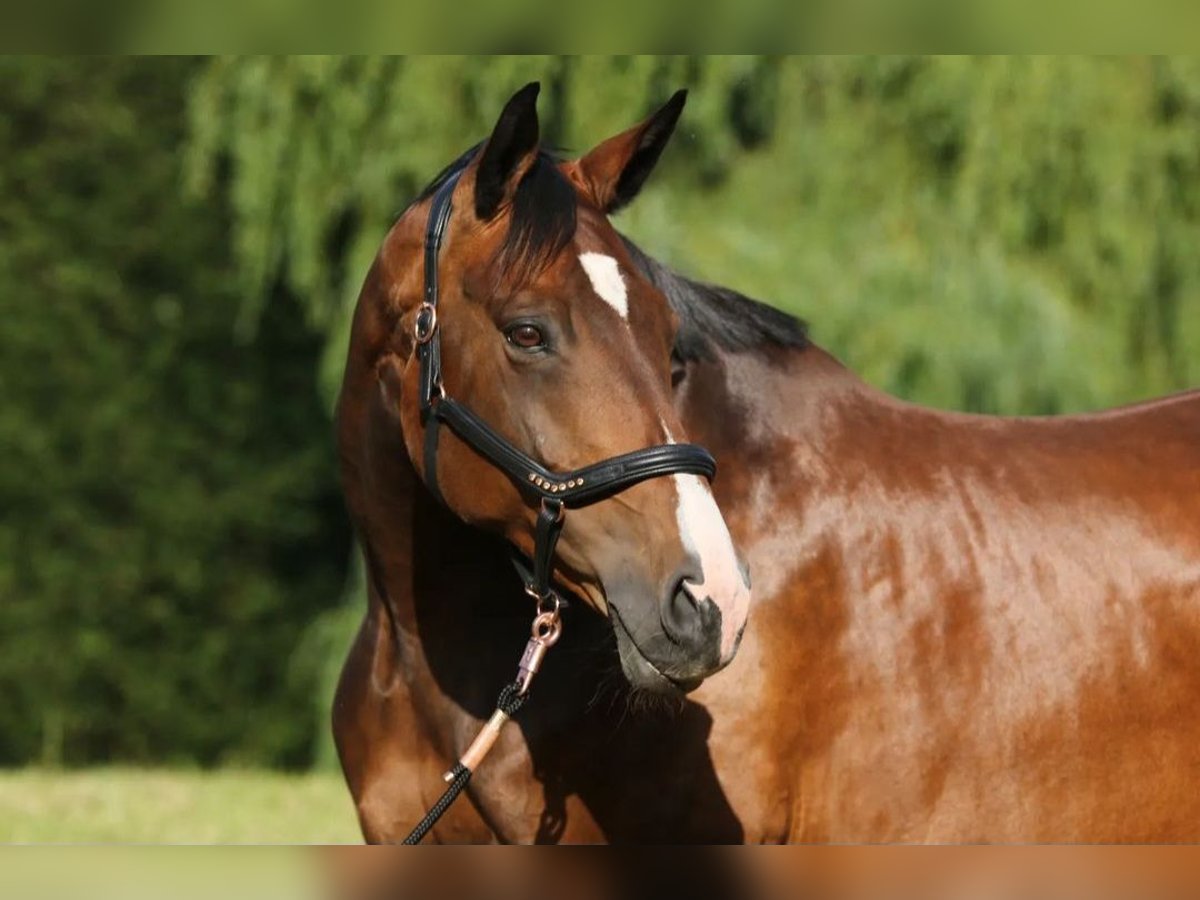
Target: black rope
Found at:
510, 700
461, 776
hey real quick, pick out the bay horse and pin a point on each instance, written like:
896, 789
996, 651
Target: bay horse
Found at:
962, 627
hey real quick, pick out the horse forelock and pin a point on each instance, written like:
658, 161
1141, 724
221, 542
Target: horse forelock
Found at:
541, 216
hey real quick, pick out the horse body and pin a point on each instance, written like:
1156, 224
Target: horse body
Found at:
964, 628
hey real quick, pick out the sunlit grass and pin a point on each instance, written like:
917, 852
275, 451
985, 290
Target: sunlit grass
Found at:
164, 806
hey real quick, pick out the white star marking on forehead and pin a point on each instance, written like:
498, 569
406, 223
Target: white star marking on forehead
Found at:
606, 280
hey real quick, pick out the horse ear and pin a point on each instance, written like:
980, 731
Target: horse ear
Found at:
615, 171
508, 153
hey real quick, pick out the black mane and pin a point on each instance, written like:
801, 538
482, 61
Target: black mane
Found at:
711, 317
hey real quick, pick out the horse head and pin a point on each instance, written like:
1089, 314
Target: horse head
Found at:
563, 352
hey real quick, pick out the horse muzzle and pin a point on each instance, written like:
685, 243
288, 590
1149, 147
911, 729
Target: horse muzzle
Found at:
670, 650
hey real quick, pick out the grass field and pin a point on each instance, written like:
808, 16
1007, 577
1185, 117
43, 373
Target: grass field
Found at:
163, 806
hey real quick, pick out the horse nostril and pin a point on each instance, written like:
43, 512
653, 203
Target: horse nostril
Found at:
683, 594
691, 622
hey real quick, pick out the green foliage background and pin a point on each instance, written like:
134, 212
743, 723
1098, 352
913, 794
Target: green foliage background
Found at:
182, 241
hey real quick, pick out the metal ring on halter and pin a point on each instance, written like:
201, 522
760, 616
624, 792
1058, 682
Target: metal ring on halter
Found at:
426, 323
554, 610
544, 599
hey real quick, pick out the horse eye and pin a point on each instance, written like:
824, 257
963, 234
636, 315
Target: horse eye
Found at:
525, 336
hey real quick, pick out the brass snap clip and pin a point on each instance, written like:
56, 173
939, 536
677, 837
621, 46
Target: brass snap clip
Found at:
545, 632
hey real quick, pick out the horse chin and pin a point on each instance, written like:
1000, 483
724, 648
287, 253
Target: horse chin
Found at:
640, 671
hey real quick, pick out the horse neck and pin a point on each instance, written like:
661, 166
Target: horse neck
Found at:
755, 409
446, 607
793, 432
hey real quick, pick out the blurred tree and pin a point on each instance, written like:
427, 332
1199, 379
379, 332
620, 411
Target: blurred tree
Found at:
170, 522
1002, 235
323, 152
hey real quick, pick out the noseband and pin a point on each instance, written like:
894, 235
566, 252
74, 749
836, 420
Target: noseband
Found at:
555, 492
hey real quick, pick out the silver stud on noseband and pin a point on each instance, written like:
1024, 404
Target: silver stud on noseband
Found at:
546, 484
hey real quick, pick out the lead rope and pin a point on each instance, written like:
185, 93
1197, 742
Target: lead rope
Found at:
544, 634
546, 630
511, 699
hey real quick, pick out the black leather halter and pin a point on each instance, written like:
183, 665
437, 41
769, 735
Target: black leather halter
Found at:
556, 491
